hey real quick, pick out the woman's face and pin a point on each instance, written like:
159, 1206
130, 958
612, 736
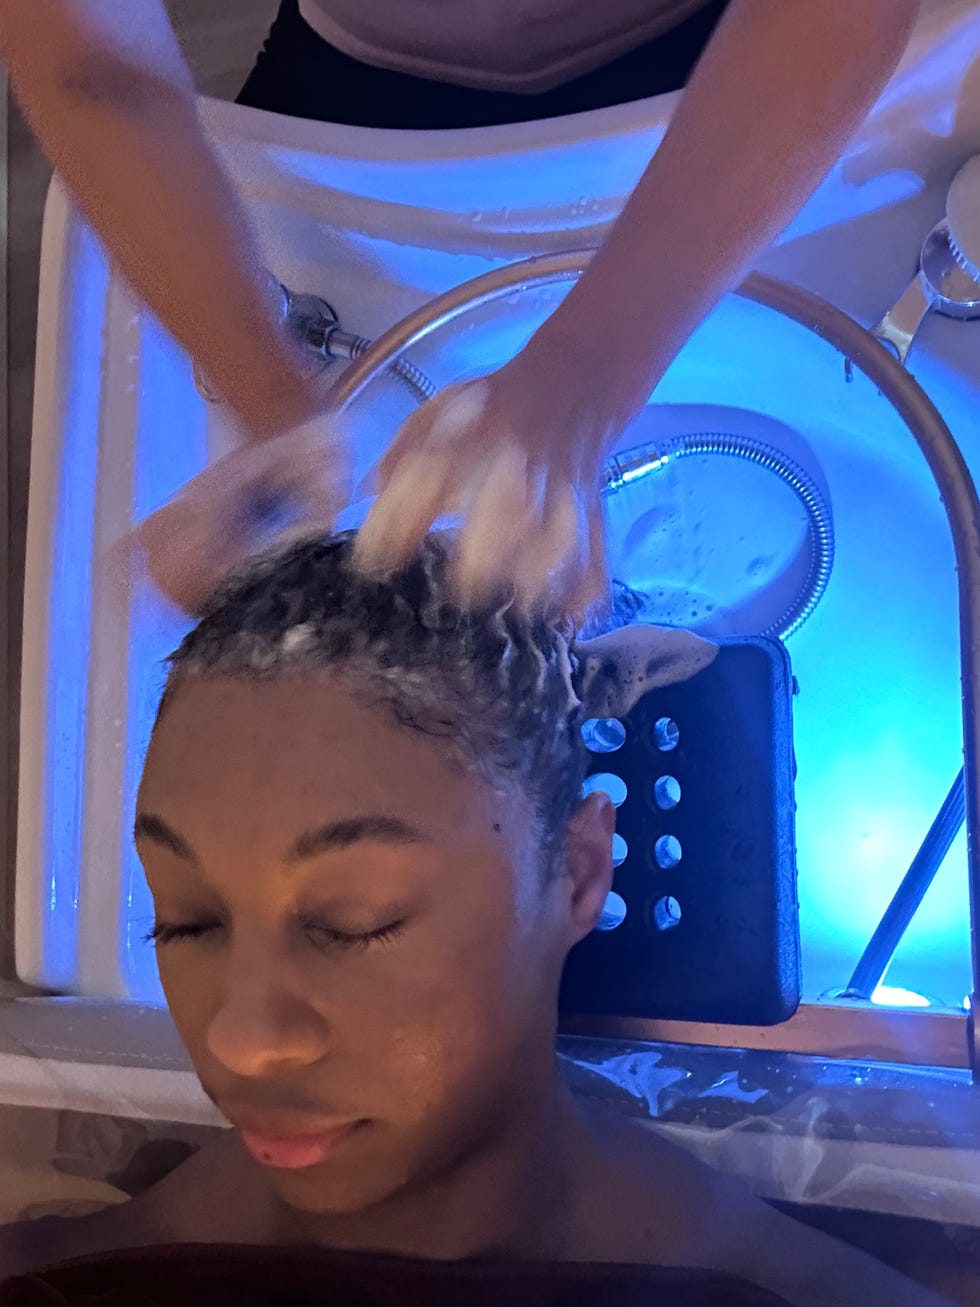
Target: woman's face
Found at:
279, 815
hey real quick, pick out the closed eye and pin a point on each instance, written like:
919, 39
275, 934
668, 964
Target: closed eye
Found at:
166, 933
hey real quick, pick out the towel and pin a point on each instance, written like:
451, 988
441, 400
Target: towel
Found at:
236, 1275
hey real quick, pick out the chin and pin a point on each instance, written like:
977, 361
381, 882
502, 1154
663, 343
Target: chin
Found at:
328, 1200
323, 1191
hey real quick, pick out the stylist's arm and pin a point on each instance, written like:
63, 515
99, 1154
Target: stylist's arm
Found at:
780, 89
111, 102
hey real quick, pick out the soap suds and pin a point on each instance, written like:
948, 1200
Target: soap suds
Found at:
506, 693
617, 669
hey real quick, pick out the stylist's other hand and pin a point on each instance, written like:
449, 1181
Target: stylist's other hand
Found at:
518, 454
259, 496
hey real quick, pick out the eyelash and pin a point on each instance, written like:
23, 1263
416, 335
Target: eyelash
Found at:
163, 933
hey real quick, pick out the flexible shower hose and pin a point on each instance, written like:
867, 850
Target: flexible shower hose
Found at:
635, 464
343, 344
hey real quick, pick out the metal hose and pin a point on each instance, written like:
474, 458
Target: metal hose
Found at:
344, 344
633, 465
314, 325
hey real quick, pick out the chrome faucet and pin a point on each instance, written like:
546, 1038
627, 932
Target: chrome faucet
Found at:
314, 324
948, 280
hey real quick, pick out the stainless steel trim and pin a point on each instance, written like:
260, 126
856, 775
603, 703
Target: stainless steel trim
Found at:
833, 1030
941, 285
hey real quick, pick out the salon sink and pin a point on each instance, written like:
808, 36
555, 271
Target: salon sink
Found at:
377, 223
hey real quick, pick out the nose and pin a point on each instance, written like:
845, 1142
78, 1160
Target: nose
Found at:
260, 1022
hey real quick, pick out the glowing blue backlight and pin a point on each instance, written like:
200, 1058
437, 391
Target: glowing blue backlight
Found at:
612, 785
893, 996
613, 912
603, 734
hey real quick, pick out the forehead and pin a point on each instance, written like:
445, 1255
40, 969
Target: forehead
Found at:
275, 756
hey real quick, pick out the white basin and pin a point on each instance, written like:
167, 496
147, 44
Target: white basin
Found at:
379, 222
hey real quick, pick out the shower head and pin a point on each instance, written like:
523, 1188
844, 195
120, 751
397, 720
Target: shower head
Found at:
963, 217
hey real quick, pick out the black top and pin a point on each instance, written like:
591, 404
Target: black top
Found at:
238, 1275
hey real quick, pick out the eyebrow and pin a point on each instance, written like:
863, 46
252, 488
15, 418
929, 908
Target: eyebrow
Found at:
330, 838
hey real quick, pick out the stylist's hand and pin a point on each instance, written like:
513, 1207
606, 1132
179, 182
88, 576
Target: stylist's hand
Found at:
274, 491
518, 454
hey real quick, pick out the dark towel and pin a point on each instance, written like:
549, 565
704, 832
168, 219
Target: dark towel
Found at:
236, 1275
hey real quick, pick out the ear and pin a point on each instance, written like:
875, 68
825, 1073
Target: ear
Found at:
588, 862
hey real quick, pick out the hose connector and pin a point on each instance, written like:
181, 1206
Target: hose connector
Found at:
315, 327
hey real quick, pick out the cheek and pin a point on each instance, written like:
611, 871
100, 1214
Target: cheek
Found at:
467, 965
454, 1009
448, 1069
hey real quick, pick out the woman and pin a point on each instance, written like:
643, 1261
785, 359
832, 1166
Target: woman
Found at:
779, 89
362, 823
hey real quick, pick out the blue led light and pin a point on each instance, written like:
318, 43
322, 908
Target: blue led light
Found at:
613, 912
666, 734
667, 851
603, 734
666, 913
162, 464
70, 619
612, 785
666, 792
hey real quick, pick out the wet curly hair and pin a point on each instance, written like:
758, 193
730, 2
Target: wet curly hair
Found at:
498, 688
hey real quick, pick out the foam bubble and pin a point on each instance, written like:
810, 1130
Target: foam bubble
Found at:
299, 638
617, 669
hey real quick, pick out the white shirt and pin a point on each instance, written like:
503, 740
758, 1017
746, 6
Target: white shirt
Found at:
522, 46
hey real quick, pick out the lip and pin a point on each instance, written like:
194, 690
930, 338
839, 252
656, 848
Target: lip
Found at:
295, 1152
290, 1142
283, 1125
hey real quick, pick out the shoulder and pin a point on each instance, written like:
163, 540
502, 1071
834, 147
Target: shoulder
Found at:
29, 1247
673, 1209
186, 1206
817, 1270
646, 1199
